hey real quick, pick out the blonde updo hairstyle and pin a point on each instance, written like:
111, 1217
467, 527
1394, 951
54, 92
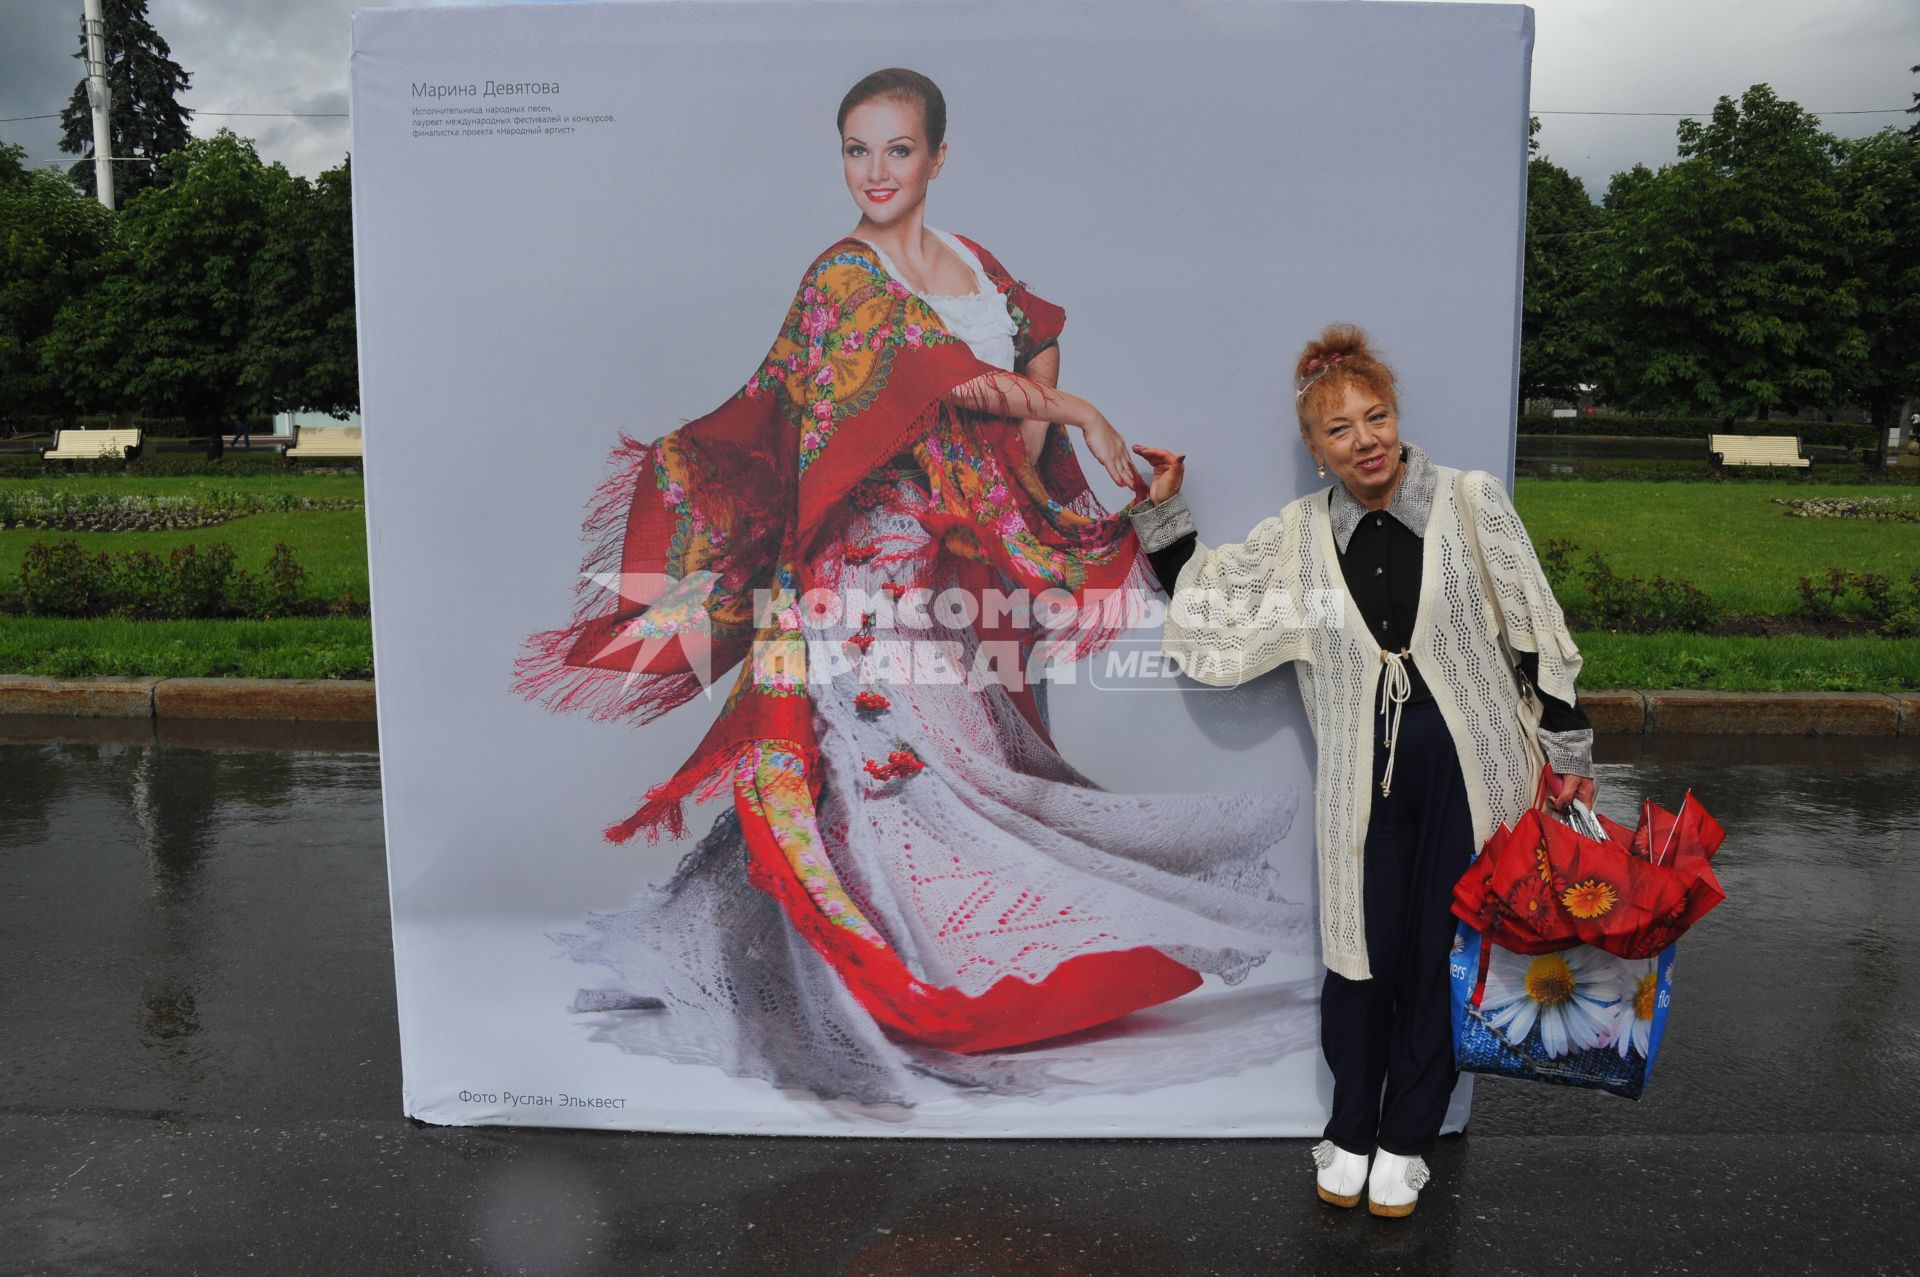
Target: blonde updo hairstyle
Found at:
1340, 357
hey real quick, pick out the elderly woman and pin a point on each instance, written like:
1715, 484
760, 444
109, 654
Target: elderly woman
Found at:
1437, 671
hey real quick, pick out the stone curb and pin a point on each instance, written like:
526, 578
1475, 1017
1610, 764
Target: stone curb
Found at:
288, 699
1779, 714
308, 700
1614, 712
77, 697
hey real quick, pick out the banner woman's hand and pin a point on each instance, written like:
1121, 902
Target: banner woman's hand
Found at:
1110, 450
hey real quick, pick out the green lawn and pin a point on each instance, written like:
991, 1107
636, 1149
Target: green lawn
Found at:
330, 544
319, 647
1677, 661
343, 648
1728, 539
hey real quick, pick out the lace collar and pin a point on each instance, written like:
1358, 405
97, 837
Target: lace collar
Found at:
1412, 500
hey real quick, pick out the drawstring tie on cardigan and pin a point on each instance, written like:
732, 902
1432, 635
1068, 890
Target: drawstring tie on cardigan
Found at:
1397, 688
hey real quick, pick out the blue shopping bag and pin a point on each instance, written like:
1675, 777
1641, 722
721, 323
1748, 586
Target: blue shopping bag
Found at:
1575, 1017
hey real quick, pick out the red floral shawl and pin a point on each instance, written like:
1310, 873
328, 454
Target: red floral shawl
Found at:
688, 533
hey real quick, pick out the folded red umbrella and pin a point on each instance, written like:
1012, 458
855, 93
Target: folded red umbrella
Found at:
1544, 885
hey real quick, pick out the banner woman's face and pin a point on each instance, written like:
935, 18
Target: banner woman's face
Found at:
887, 160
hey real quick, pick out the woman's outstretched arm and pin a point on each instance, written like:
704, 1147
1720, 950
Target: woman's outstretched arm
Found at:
1234, 611
1045, 369
1009, 394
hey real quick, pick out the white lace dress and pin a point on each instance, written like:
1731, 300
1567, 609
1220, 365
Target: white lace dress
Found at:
989, 871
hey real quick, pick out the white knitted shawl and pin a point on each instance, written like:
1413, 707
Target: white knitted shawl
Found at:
1242, 610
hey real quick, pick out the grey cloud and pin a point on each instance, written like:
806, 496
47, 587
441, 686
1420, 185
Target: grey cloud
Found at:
1655, 55
1648, 55
244, 56
37, 71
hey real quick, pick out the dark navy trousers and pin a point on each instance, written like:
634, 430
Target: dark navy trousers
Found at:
1389, 1040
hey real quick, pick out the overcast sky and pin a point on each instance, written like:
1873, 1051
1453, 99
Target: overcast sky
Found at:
1590, 55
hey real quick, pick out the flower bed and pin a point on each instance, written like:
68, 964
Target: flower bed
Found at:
1881, 509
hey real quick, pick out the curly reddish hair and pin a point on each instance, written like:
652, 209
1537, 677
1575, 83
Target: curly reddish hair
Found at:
1341, 356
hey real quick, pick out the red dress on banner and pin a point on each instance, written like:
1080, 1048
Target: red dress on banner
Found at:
833, 535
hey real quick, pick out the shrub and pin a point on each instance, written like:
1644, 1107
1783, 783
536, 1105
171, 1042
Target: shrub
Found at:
1820, 600
203, 583
279, 589
1891, 610
1876, 591
1622, 604
140, 579
1556, 557
64, 580
1629, 605
1904, 621
190, 583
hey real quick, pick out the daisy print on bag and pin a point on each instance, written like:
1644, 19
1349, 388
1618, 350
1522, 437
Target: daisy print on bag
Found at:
1635, 1010
1569, 996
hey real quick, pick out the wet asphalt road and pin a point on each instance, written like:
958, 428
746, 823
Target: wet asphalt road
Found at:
202, 1072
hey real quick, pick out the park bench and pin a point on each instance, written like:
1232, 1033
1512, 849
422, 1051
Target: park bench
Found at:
263, 441
1757, 450
325, 441
94, 445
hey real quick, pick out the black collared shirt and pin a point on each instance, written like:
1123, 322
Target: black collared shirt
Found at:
1382, 566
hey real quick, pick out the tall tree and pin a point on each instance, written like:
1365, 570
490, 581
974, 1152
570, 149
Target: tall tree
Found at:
13, 164
1624, 185
1559, 337
300, 345
165, 329
1730, 276
1914, 131
1880, 178
146, 119
52, 244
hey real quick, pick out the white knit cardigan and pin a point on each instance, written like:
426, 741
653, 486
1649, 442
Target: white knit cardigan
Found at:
1242, 610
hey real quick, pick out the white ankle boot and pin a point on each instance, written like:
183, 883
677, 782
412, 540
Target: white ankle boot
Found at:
1342, 1174
1395, 1184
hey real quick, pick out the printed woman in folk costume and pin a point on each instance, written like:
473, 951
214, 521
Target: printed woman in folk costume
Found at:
910, 874
1435, 698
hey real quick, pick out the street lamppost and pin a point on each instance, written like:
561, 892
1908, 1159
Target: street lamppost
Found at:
100, 96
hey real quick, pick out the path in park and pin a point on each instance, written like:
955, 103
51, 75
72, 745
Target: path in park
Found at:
202, 1072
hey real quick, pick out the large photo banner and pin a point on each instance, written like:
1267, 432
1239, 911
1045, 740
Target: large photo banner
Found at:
774, 735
